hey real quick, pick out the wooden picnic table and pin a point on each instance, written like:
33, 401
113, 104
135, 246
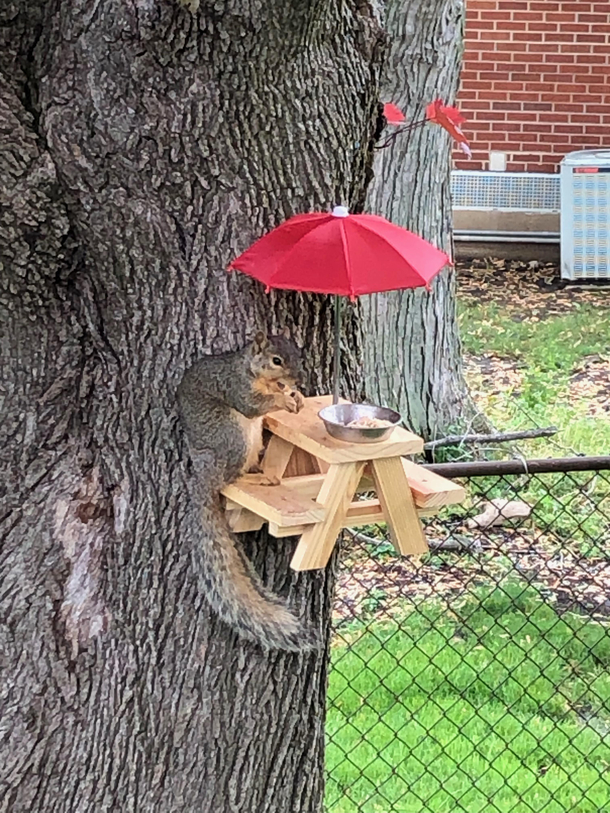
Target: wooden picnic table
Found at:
321, 479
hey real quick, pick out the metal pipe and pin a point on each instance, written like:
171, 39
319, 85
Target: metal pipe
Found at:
462, 236
337, 366
482, 468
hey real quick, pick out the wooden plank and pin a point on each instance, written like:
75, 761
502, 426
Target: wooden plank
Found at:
398, 506
353, 521
430, 490
363, 512
277, 504
277, 455
307, 431
307, 485
316, 544
281, 533
323, 466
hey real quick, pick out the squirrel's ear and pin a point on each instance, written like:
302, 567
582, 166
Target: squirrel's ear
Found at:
285, 333
260, 341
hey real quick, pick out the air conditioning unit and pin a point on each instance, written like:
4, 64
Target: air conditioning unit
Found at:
585, 215
505, 207
505, 191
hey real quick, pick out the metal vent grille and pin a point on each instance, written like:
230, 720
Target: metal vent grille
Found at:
506, 191
585, 224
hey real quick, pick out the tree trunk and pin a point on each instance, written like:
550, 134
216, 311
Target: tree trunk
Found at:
141, 148
411, 350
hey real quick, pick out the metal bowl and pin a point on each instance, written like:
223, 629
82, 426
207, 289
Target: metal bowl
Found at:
337, 417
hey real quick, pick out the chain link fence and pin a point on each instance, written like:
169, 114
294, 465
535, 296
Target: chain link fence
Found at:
478, 678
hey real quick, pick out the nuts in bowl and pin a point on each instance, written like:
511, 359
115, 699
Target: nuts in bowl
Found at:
369, 423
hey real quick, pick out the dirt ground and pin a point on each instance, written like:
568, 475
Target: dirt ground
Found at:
376, 582
529, 289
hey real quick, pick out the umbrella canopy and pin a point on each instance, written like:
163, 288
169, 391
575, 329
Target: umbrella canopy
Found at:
339, 253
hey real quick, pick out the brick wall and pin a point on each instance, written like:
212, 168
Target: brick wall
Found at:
536, 81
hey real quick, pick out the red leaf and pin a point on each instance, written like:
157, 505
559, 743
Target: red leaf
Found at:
450, 119
393, 114
440, 113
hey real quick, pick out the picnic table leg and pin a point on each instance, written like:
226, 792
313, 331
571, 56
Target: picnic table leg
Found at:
317, 542
277, 456
394, 494
284, 459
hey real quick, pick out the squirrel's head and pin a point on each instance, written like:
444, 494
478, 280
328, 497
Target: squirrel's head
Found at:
276, 358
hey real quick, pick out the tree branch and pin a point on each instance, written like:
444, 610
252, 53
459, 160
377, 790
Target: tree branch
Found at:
494, 437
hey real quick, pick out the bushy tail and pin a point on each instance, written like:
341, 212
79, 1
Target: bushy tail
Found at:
236, 593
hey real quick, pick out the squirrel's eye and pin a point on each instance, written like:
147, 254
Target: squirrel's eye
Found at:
277, 361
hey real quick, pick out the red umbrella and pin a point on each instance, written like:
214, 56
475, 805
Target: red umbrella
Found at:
341, 254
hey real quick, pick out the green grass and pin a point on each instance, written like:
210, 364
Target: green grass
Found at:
555, 343
496, 706
548, 349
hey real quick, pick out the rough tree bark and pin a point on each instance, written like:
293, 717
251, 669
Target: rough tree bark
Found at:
141, 148
412, 351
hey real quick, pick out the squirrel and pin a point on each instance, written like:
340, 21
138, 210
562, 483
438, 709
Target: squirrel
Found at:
222, 400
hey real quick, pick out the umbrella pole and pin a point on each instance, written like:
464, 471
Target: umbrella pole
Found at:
337, 366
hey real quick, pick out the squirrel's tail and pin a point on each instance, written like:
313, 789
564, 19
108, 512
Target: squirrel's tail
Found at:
237, 595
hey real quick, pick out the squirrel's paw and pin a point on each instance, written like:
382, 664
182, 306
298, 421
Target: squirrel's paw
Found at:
300, 400
293, 401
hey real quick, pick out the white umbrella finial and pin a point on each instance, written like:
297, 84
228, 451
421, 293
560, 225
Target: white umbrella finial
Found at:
340, 211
